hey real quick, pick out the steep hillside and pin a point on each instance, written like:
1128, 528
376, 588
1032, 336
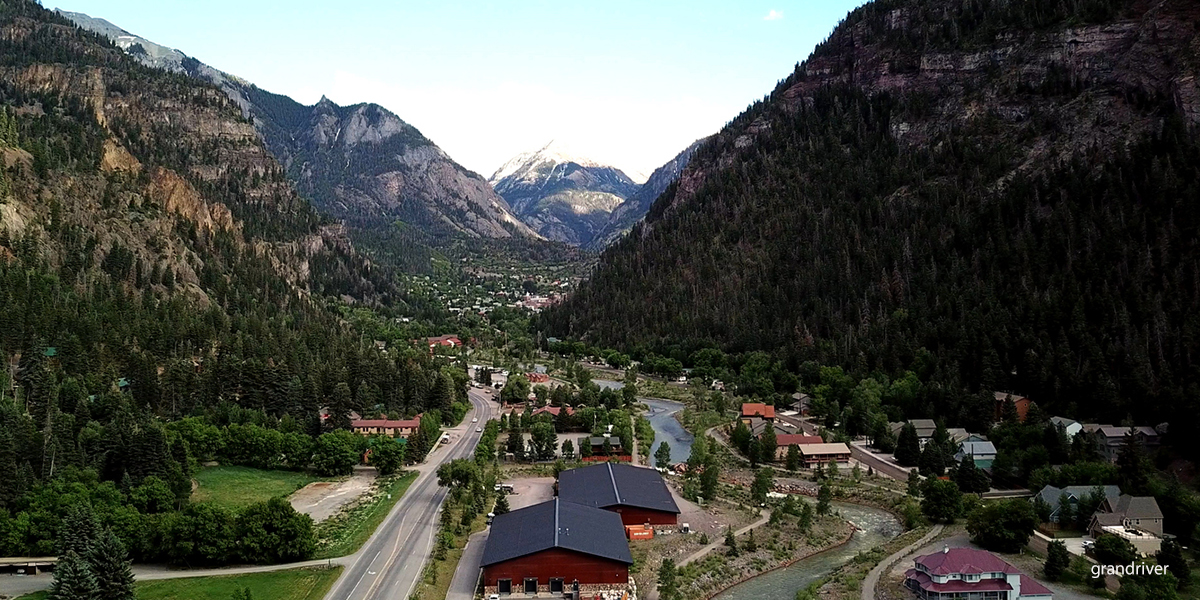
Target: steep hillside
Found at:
998, 195
628, 213
361, 163
562, 197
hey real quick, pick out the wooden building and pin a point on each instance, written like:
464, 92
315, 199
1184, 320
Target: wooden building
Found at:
556, 547
820, 454
401, 428
638, 494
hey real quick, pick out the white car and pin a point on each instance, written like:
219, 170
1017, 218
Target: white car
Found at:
478, 429
475, 420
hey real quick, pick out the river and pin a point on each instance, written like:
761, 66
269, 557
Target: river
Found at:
662, 420
877, 527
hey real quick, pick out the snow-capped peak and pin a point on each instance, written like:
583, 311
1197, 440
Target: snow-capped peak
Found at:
554, 152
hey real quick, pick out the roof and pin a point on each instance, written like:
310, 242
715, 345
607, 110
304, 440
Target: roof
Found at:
1065, 422
838, 448
1051, 494
978, 448
957, 585
557, 524
1109, 431
1138, 507
752, 409
1031, 587
958, 434
758, 426
1104, 519
787, 439
954, 560
609, 484
388, 423
554, 410
1015, 397
613, 441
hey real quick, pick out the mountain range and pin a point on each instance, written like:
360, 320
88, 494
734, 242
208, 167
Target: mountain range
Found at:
562, 196
360, 163
994, 195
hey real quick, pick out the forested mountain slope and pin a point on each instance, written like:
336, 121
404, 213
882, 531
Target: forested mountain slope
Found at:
629, 212
156, 264
1000, 195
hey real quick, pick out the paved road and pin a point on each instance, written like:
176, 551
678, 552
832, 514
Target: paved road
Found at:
390, 563
462, 587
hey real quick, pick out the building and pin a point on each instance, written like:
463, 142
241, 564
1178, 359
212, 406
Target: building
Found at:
967, 573
537, 377
597, 444
924, 427
1074, 494
801, 403
983, 453
1135, 518
757, 409
443, 341
638, 494
1069, 426
401, 428
1110, 438
554, 410
819, 454
758, 426
782, 442
556, 547
1021, 402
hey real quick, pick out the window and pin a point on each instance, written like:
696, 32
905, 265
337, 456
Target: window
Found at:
556, 585
531, 585
504, 586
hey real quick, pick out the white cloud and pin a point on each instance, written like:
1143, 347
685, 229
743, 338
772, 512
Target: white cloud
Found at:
774, 15
481, 128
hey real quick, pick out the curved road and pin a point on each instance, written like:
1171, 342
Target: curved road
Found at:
390, 563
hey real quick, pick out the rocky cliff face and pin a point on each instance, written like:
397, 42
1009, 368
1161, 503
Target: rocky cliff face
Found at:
145, 173
562, 197
628, 213
360, 163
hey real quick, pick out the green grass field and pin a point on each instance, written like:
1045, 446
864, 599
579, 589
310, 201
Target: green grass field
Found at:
236, 487
294, 584
347, 531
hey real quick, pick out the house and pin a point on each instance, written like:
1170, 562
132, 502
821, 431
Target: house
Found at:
443, 341
556, 547
1110, 438
819, 454
783, 441
970, 573
537, 377
401, 428
1070, 426
758, 426
554, 410
757, 409
597, 444
801, 403
983, 453
1021, 402
638, 494
1074, 494
924, 427
1135, 518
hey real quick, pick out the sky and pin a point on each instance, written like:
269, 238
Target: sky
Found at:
627, 83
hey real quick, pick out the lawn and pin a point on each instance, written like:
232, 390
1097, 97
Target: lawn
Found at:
295, 584
236, 487
346, 532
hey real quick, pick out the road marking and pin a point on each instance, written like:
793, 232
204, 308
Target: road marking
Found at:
360, 579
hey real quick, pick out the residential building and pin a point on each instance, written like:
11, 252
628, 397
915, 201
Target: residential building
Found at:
554, 410
1022, 403
924, 427
783, 441
983, 453
758, 426
967, 573
556, 547
1074, 495
820, 454
537, 377
757, 409
638, 494
1110, 438
1135, 518
597, 444
401, 428
1070, 426
443, 341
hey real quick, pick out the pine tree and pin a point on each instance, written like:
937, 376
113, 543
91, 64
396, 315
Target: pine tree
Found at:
731, 541
908, 446
662, 456
668, 587
73, 579
793, 457
79, 530
111, 567
824, 496
501, 504
1058, 560
768, 442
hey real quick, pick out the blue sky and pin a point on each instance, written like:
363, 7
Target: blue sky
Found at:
625, 82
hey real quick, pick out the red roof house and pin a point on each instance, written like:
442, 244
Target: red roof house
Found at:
554, 410
783, 440
963, 572
393, 427
758, 409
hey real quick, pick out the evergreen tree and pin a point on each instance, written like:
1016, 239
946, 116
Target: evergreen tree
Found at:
1058, 560
768, 442
111, 568
1132, 465
668, 587
73, 579
662, 456
931, 461
824, 496
79, 530
501, 504
731, 541
1171, 556
908, 446
793, 457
